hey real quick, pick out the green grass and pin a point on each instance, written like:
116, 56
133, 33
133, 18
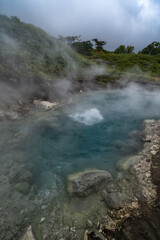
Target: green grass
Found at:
133, 67
135, 64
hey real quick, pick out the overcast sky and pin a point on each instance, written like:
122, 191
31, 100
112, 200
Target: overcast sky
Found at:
128, 22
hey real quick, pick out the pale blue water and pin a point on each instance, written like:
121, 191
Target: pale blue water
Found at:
95, 131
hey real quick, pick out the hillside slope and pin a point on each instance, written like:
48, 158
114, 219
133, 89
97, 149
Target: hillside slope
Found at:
31, 59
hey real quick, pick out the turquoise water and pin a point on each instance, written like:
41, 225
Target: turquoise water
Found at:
95, 131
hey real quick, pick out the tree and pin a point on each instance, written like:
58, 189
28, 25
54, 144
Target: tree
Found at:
129, 49
151, 49
84, 47
122, 49
99, 45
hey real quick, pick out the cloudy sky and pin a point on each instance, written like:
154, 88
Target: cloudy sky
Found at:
129, 22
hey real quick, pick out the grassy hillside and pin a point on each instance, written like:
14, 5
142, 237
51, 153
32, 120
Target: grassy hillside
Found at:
125, 62
30, 55
134, 65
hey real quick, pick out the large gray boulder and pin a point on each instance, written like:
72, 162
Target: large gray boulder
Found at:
82, 184
126, 163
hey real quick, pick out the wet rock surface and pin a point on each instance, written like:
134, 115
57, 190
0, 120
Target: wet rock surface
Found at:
45, 104
29, 234
84, 183
19, 110
115, 200
14, 111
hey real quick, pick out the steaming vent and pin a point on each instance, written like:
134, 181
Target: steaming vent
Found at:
88, 117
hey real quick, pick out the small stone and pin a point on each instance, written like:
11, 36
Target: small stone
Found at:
28, 235
45, 237
72, 229
22, 187
45, 104
89, 223
127, 215
42, 219
86, 235
135, 205
153, 152
44, 207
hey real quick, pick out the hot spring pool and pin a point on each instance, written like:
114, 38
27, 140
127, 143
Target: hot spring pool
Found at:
94, 131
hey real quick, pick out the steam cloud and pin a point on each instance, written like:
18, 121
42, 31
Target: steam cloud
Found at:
134, 99
23, 90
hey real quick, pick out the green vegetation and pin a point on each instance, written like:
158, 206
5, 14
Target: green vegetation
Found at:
99, 45
27, 52
133, 67
83, 47
133, 63
122, 49
152, 49
144, 65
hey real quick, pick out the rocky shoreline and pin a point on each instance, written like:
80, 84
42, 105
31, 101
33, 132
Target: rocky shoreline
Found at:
134, 214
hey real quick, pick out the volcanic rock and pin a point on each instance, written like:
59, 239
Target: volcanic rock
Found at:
127, 163
45, 104
115, 200
84, 183
28, 235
